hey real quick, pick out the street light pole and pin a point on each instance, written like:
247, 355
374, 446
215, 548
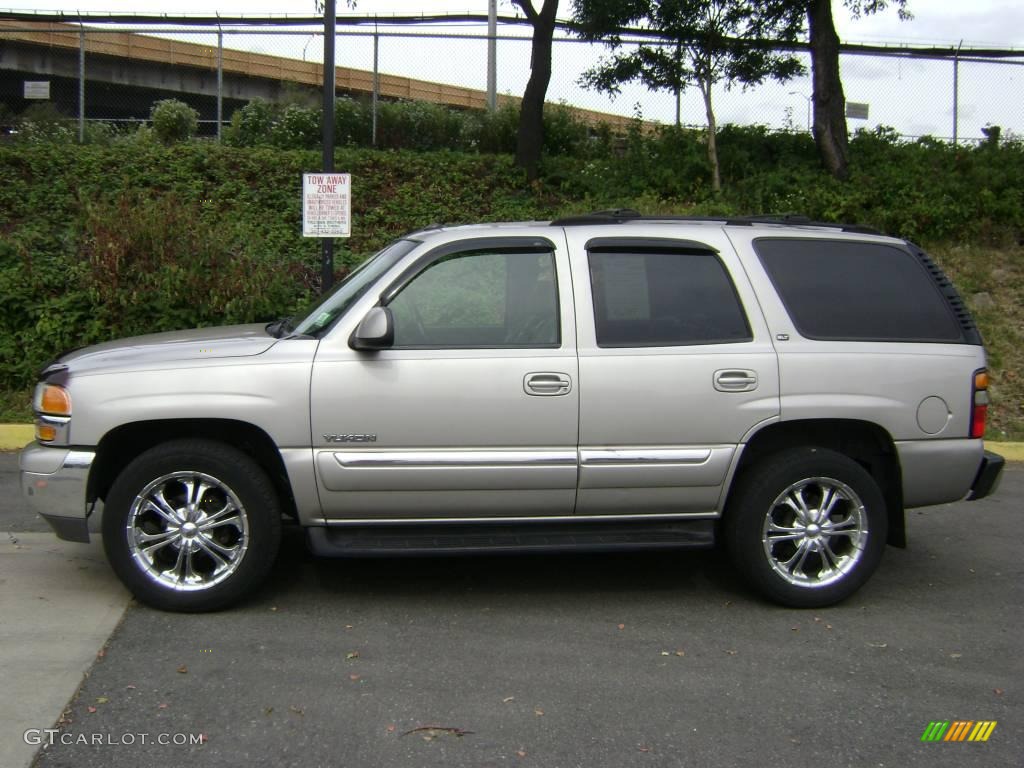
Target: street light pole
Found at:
330, 20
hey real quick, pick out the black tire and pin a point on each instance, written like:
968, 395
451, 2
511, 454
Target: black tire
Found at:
200, 556
830, 558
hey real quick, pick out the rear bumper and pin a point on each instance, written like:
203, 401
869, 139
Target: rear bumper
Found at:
989, 474
54, 481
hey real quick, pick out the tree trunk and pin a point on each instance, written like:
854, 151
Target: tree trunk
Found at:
530, 139
716, 178
829, 102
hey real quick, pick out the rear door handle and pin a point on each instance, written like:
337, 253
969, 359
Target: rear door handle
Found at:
547, 384
735, 380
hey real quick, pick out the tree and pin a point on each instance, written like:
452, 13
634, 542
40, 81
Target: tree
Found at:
707, 42
830, 133
530, 138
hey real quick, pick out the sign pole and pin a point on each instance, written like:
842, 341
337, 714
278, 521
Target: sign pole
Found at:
327, 259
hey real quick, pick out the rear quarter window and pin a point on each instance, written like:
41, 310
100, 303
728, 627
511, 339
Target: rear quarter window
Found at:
857, 291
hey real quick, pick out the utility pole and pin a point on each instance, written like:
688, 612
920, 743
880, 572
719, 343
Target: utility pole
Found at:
330, 20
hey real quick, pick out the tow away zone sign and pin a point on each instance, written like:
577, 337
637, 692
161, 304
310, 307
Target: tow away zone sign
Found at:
326, 205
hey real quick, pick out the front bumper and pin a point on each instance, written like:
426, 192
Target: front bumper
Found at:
54, 482
989, 474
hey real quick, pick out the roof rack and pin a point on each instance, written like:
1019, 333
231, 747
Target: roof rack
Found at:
621, 215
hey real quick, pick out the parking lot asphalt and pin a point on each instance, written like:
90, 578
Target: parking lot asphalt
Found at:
612, 660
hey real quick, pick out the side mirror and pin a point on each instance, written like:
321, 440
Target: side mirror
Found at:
375, 331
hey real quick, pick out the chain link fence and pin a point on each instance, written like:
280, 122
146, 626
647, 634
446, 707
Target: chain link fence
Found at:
114, 74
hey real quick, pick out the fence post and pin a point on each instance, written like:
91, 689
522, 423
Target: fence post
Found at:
81, 83
220, 80
956, 93
376, 84
492, 55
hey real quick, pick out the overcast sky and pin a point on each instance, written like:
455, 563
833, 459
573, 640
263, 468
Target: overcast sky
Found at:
915, 97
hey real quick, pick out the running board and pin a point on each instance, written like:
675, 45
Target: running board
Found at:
503, 538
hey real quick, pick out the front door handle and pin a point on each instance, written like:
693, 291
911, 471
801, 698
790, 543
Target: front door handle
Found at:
737, 380
547, 384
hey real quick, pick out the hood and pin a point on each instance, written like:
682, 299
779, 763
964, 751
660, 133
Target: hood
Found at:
156, 348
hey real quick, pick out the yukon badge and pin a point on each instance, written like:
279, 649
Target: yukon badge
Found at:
350, 438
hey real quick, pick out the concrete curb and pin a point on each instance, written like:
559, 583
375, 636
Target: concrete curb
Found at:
14, 437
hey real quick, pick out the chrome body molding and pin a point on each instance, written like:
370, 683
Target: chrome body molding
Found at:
642, 456
386, 459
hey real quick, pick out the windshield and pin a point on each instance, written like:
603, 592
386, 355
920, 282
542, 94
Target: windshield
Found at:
358, 282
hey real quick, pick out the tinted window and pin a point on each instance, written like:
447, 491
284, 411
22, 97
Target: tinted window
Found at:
856, 291
664, 298
480, 299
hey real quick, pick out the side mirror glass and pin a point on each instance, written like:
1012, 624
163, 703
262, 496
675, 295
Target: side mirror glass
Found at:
376, 331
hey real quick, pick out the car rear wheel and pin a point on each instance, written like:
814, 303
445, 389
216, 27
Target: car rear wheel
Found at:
191, 525
806, 527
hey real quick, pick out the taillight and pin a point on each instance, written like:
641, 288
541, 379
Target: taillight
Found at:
979, 403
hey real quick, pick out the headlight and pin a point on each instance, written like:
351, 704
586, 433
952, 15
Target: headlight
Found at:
52, 405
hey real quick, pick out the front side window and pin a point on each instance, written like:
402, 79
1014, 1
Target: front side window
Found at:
663, 297
485, 298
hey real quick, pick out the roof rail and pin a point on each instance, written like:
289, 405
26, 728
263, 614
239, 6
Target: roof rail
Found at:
620, 215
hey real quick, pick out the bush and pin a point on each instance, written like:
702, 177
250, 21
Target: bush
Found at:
174, 120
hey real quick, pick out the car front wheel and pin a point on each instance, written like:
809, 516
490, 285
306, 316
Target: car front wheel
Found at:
191, 525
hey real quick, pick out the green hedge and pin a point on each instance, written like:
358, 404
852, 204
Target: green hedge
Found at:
128, 236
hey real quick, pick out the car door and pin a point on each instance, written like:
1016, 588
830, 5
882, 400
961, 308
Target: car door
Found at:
676, 369
472, 412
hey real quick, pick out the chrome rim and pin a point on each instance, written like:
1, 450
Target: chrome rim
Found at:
815, 532
187, 531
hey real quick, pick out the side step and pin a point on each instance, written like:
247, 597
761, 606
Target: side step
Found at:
503, 538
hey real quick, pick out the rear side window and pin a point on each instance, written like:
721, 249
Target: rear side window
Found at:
851, 291
660, 297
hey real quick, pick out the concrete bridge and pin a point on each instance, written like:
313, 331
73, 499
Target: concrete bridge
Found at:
125, 72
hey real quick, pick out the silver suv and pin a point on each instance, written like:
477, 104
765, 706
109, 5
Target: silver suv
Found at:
605, 382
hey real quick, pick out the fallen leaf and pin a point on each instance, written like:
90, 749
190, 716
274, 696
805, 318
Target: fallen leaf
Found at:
971, 570
351, 655
354, 677
955, 655
622, 626
642, 748
296, 710
817, 620
997, 691
540, 712
795, 629
348, 626
101, 653
828, 626
391, 728
161, 706
183, 669
664, 653
521, 752
732, 653
130, 687
92, 710
507, 699
680, 652
102, 700
268, 711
